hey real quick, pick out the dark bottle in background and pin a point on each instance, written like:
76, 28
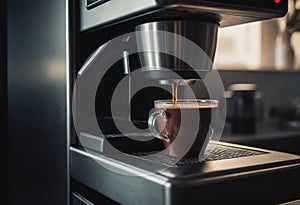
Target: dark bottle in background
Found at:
243, 108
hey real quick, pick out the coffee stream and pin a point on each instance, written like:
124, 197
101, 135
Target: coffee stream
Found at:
175, 91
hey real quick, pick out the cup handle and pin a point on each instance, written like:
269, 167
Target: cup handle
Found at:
151, 124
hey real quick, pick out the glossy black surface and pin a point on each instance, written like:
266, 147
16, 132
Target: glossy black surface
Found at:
37, 102
3, 103
267, 4
226, 13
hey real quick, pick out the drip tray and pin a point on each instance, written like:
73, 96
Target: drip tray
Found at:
220, 152
151, 149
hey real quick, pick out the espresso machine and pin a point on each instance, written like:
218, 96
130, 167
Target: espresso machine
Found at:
139, 49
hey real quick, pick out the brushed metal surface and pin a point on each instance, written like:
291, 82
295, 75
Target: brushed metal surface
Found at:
154, 40
37, 131
110, 11
124, 189
220, 181
214, 182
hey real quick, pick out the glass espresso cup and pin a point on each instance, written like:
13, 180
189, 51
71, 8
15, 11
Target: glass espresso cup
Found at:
183, 127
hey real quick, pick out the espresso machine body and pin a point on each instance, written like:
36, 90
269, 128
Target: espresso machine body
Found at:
197, 21
230, 12
101, 177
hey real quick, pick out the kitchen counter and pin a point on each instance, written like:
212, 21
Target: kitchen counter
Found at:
268, 137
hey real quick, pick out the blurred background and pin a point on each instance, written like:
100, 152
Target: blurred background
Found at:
261, 61
267, 45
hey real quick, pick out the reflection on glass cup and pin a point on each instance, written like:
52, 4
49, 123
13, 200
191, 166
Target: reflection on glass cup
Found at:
184, 127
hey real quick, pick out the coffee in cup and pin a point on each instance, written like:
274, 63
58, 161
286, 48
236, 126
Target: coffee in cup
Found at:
184, 126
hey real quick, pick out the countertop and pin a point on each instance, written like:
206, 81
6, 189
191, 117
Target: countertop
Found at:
268, 137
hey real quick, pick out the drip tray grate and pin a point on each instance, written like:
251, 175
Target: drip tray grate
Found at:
220, 152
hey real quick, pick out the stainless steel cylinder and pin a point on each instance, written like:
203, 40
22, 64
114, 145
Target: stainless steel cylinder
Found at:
168, 48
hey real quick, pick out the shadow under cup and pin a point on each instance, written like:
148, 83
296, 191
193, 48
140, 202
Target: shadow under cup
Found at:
186, 125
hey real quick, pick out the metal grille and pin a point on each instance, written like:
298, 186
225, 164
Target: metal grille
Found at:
220, 152
227, 152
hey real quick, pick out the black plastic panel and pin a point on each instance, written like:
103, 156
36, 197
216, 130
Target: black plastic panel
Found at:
267, 4
228, 12
235, 4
